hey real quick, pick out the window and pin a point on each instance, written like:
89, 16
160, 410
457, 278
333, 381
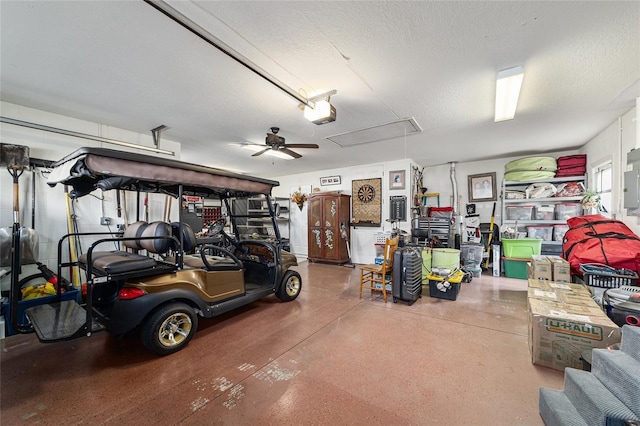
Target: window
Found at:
604, 180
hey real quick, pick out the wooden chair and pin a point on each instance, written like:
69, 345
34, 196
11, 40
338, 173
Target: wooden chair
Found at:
377, 277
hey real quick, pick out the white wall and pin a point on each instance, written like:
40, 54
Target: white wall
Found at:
362, 238
50, 208
613, 143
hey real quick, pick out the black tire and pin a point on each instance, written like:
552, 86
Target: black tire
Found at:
290, 286
169, 328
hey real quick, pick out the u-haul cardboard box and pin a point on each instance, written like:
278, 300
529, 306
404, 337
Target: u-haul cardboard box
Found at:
539, 268
559, 296
564, 287
561, 269
559, 333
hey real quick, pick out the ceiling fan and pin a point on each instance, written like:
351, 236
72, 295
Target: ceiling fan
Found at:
276, 143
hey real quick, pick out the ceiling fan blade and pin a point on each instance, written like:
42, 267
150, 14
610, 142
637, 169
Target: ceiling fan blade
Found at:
300, 145
260, 152
289, 152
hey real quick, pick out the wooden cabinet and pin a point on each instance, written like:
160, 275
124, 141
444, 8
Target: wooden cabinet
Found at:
325, 214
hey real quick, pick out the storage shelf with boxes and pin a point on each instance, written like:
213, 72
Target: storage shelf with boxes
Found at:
540, 208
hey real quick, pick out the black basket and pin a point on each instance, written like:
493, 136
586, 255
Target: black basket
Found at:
599, 275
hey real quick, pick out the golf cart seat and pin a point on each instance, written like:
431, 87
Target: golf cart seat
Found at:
154, 238
217, 259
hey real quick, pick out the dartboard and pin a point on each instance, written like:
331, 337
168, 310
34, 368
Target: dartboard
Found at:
366, 193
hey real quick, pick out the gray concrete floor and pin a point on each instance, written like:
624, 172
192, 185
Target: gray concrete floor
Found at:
327, 358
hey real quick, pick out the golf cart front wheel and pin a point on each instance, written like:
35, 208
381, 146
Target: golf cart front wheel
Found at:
290, 286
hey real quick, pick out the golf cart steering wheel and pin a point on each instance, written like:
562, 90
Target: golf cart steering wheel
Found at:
219, 252
216, 229
217, 226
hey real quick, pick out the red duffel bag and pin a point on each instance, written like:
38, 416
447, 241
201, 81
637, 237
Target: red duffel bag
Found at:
597, 239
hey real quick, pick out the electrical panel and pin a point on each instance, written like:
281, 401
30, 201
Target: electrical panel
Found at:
632, 190
398, 208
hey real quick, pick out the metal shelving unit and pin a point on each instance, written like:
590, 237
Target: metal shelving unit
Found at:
521, 186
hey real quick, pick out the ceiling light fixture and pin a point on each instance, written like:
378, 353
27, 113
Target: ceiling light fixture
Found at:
507, 93
322, 111
271, 152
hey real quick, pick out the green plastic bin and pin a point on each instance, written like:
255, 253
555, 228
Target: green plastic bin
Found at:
515, 268
522, 248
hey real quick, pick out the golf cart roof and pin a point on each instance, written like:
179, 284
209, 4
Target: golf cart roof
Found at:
87, 169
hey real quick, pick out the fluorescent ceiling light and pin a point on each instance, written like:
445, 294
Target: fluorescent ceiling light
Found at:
271, 152
507, 92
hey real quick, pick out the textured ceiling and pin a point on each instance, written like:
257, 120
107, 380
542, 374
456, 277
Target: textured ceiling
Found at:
126, 65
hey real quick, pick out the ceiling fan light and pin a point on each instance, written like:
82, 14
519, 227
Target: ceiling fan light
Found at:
508, 87
254, 148
322, 112
279, 154
272, 152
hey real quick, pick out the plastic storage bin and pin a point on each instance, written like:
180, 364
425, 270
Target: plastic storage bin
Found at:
444, 212
445, 258
559, 231
471, 254
426, 263
597, 275
544, 212
543, 232
522, 248
566, 210
519, 212
515, 268
442, 288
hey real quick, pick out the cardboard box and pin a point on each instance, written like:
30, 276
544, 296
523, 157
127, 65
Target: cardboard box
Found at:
561, 269
559, 333
558, 296
539, 268
554, 286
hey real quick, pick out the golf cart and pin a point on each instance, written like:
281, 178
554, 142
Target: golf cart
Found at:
161, 276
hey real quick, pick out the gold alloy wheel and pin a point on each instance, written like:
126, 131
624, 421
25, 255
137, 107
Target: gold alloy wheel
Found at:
292, 286
174, 329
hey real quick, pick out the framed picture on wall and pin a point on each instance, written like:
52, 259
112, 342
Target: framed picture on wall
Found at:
482, 187
330, 180
396, 179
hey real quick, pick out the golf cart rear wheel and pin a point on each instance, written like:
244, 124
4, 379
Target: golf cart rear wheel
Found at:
169, 328
290, 286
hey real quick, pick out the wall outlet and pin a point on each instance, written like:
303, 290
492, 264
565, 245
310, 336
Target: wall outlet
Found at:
105, 221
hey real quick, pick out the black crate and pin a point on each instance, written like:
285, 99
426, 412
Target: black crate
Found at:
597, 275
